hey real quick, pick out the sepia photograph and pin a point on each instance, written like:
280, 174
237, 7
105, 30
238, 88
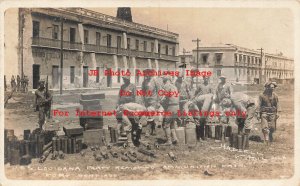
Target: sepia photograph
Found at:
131, 92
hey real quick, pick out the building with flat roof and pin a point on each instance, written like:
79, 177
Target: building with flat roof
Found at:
90, 41
241, 65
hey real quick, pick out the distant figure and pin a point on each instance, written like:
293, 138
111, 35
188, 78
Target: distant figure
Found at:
18, 83
26, 82
13, 83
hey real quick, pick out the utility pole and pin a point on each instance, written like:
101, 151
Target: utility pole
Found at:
197, 40
261, 60
61, 54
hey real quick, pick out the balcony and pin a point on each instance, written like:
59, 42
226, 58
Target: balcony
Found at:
54, 43
167, 57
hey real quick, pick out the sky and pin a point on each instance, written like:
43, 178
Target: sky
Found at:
269, 28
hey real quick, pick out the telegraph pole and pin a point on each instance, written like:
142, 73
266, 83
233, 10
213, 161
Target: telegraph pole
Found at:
197, 40
261, 60
61, 54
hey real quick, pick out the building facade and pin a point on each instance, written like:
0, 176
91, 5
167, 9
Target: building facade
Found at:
241, 65
91, 41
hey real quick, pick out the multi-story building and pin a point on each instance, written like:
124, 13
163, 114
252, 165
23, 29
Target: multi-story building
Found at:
242, 65
90, 41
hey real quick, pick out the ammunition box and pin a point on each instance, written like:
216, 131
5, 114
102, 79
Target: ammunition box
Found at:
94, 136
73, 131
190, 134
93, 96
180, 133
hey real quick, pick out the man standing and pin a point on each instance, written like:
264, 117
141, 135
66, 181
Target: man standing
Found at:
204, 88
184, 87
13, 83
18, 83
150, 88
224, 90
171, 105
267, 110
26, 81
43, 101
127, 94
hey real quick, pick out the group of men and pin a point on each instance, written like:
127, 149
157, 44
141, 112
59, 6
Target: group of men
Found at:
200, 98
20, 86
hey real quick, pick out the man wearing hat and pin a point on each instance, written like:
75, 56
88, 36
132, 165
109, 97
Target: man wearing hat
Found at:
170, 104
224, 90
267, 110
43, 102
185, 89
204, 88
127, 94
150, 87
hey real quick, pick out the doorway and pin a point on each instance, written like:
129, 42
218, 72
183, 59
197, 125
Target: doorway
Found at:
55, 76
108, 82
35, 76
85, 76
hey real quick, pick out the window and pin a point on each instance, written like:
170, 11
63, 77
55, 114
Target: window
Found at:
152, 47
240, 57
55, 32
235, 57
219, 58
97, 77
145, 46
72, 74
137, 44
173, 50
36, 29
72, 35
98, 38
128, 43
167, 50
204, 58
86, 36
159, 46
108, 40
119, 40
182, 59
219, 72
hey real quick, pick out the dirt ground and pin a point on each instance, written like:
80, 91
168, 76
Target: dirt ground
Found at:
193, 162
